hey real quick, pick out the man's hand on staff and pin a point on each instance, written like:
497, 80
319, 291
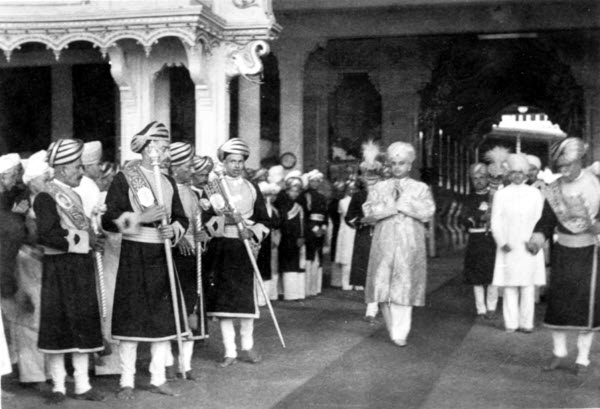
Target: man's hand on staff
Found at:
153, 214
167, 232
246, 234
98, 242
185, 248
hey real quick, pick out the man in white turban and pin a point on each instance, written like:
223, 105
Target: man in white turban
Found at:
571, 213
515, 212
88, 188
397, 271
142, 279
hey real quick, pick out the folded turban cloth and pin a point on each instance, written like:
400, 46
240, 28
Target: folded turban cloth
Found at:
107, 168
275, 174
37, 165
180, 153
401, 149
233, 146
201, 163
478, 169
315, 174
517, 162
534, 161
570, 149
92, 153
64, 151
154, 131
9, 161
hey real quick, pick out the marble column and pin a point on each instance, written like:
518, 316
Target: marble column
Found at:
162, 97
249, 119
62, 101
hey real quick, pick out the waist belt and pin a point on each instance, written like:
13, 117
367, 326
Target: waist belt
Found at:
145, 235
576, 240
316, 217
231, 231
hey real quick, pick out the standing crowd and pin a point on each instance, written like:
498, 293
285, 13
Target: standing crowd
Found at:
97, 258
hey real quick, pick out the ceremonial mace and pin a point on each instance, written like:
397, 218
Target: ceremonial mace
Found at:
99, 268
257, 275
154, 156
200, 288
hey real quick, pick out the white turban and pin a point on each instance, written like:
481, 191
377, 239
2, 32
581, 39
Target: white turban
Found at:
269, 188
478, 169
401, 149
275, 174
37, 165
92, 153
8, 162
534, 161
517, 162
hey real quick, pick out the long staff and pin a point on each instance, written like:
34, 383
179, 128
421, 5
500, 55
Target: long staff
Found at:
99, 269
161, 202
200, 288
257, 275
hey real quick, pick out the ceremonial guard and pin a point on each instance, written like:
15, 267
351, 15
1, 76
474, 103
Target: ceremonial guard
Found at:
202, 166
268, 248
242, 216
69, 317
369, 174
185, 256
480, 255
315, 210
571, 213
144, 308
515, 212
291, 248
397, 271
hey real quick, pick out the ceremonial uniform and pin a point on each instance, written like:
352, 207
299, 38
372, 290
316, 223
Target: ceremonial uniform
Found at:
570, 211
143, 308
268, 267
232, 292
315, 210
69, 317
291, 256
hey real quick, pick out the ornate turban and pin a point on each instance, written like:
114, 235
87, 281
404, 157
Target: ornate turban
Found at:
64, 151
9, 161
92, 153
534, 161
569, 149
478, 169
517, 162
154, 131
401, 149
201, 163
371, 154
497, 157
180, 152
233, 146
37, 165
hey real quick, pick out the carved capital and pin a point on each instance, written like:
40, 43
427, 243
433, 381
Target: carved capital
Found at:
118, 66
245, 60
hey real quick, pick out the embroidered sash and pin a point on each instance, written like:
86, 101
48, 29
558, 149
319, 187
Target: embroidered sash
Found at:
142, 190
70, 205
571, 212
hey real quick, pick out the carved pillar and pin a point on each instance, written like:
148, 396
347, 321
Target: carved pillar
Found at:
62, 101
249, 119
162, 98
292, 55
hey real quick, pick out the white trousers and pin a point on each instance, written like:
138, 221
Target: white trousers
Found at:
372, 309
336, 275
314, 276
345, 268
58, 373
518, 307
398, 319
228, 334
274, 287
485, 300
294, 286
188, 351
584, 344
128, 355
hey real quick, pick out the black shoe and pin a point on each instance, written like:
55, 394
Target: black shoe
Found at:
163, 389
189, 376
56, 398
554, 364
250, 356
91, 395
581, 370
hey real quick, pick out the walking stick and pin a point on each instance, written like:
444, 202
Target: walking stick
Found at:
171, 271
99, 269
200, 288
257, 275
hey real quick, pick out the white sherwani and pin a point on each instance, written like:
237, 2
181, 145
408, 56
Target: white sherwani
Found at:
515, 211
